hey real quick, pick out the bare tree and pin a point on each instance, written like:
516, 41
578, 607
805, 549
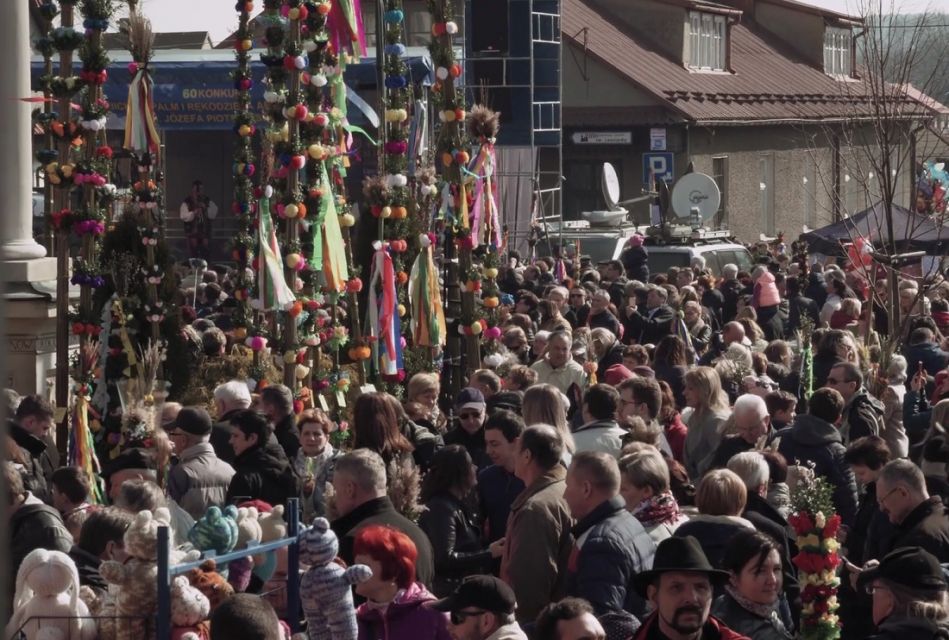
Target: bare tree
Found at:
878, 146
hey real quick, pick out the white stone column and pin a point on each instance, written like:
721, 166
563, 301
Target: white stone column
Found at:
16, 203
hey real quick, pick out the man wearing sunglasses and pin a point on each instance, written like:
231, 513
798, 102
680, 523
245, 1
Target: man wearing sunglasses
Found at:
481, 608
469, 432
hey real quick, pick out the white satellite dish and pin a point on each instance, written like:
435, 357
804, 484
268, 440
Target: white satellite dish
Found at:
696, 191
614, 215
610, 185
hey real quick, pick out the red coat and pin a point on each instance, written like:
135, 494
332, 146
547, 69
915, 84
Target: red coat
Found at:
713, 630
676, 431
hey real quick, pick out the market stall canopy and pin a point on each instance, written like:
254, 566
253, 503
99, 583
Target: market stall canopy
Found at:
194, 90
912, 231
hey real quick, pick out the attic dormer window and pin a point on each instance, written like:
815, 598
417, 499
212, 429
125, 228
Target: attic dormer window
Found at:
707, 41
838, 44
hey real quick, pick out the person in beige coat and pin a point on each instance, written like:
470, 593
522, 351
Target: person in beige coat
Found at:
538, 542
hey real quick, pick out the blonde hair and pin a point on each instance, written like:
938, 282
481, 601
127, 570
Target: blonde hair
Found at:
420, 383
919, 603
940, 414
544, 404
706, 381
721, 493
646, 469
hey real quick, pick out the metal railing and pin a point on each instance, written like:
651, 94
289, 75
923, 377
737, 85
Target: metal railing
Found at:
167, 572
72, 627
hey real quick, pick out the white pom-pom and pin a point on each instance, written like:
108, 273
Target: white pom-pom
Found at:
318, 80
424, 240
441, 73
270, 96
493, 361
377, 245
309, 46
299, 62
268, 191
451, 28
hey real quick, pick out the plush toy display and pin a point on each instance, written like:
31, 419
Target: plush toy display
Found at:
189, 611
47, 604
212, 584
326, 588
136, 598
248, 531
215, 531
272, 527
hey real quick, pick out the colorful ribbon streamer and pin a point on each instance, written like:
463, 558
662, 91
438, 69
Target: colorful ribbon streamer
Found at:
141, 133
383, 314
485, 217
332, 253
272, 289
82, 450
346, 27
428, 314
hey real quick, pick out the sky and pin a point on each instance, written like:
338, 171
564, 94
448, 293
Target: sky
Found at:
218, 16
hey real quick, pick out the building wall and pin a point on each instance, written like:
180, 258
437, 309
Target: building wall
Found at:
795, 164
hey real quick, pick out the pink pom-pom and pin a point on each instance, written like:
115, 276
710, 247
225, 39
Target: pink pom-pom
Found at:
493, 333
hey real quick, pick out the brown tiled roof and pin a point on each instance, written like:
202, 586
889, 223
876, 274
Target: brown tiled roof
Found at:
768, 83
617, 116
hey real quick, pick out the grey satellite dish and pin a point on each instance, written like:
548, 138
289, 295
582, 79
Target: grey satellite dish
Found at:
696, 191
614, 215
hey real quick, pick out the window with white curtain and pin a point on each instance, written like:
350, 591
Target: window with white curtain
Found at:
837, 51
707, 41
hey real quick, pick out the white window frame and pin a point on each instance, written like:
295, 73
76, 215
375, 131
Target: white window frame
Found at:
708, 41
838, 52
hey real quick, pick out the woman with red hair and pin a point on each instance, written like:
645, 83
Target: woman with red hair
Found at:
394, 607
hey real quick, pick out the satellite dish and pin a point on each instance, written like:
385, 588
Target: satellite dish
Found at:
610, 185
696, 191
614, 215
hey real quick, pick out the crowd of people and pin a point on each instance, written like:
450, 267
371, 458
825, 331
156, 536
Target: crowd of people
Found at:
621, 467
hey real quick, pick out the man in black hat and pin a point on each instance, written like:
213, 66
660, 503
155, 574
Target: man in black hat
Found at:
200, 479
680, 587
481, 608
906, 584
469, 432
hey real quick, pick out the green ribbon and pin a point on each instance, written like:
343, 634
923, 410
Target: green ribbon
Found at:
351, 128
316, 259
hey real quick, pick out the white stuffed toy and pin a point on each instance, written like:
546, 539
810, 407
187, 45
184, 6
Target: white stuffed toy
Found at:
189, 611
326, 588
47, 604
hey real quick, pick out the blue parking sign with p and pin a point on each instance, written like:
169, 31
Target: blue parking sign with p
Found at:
658, 166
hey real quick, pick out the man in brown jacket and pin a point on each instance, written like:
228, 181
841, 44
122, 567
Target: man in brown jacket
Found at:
538, 541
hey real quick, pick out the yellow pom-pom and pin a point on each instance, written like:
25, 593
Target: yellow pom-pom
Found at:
347, 220
386, 212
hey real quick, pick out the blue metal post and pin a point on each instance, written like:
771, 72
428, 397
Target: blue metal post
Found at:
293, 567
162, 627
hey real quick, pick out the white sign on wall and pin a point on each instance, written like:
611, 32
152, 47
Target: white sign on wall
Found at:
602, 137
657, 139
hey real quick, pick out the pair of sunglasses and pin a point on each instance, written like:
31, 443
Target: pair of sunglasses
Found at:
459, 617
